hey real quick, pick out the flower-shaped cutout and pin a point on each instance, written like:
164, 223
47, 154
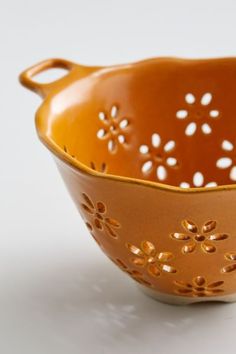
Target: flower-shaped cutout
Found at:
228, 161
159, 157
197, 113
198, 181
113, 130
98, 212
199, 287
232, 266
203, 237
148, 257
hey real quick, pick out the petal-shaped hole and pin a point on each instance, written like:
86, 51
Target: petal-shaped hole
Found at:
232, 174
206, 129
190, 226
206, 99
101, 133
211, 184
156, 140
124, 123
169, 146
181, 114
102, 116
148, 248
161, 173
199, 281
230, 256
88, 200
89, 226
184, 291
218, 237
189, 248
168, 269
112, 222
191, 129
171, 161
101, 207
198, 179
135, 250
144, 149
153, 270
209, 226
180, 236
138, 261
214, 113
147, 166
227, 145
165, 256
110, 231
112, 146
229, 268
121, 139
215, 284
114, 111
87, 209
98, 224
208, 248
182, 283
224, 162
184, 185
190, 98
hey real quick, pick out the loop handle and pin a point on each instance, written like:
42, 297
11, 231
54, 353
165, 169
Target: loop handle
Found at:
26, 77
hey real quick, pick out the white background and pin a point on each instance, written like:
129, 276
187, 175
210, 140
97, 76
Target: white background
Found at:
58, 292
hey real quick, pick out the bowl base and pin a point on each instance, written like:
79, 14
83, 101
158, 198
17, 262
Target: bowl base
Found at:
183, 300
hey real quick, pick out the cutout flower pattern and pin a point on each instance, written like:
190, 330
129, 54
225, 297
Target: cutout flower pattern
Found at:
232, 266
147, 256
203, 237
98, 212
198, 113
158, 157
199, 287
228, 162
113, 128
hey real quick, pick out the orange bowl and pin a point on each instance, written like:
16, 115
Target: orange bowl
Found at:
148, 154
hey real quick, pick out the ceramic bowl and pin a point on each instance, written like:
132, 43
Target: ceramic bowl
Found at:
148, 154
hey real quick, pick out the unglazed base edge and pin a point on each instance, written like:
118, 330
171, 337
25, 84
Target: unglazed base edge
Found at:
183, 300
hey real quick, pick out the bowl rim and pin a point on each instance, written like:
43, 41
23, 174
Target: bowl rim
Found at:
76, 165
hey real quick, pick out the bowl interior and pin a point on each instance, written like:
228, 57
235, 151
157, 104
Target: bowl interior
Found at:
165, 120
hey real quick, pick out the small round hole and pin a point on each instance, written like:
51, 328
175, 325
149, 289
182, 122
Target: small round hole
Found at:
143, 149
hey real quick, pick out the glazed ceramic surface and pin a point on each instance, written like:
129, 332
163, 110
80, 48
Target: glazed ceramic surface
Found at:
148, 154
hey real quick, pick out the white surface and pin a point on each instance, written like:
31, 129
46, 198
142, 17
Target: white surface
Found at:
58, 293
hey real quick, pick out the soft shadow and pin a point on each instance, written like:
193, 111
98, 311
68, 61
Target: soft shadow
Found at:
102, 294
